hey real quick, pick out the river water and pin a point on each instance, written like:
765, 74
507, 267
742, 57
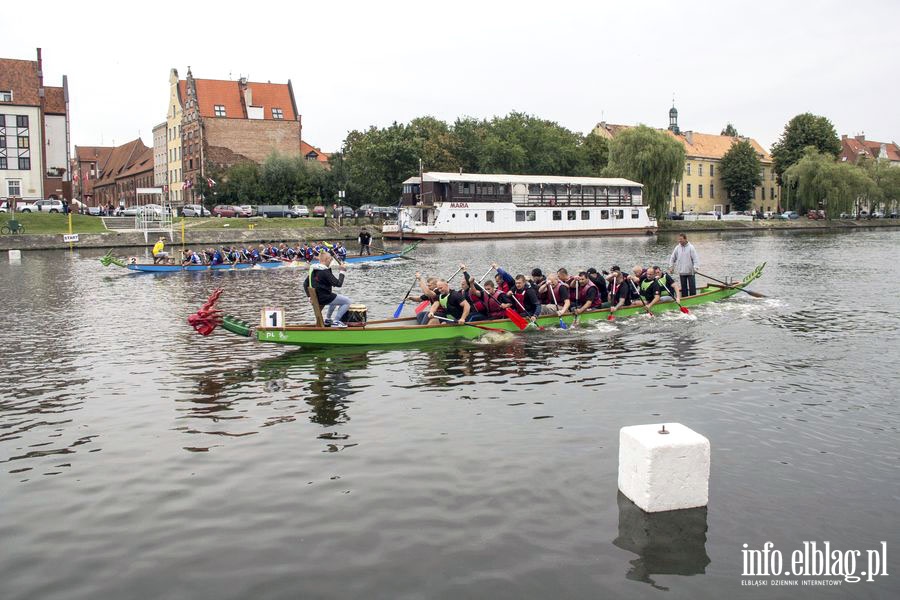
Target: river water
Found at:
139, 460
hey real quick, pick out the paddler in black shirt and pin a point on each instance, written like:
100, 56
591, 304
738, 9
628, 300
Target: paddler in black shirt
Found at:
619, 291
667, 285
452, 303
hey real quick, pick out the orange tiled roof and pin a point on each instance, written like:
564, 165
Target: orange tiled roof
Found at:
853, 148
94, 153
140, 163
213, 92
701, 145
54, 101
121, 159
20, 76
306, 149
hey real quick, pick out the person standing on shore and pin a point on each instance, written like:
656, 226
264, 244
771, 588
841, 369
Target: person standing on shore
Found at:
684, 259
364, 239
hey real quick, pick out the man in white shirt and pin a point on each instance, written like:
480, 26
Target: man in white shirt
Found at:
684, 259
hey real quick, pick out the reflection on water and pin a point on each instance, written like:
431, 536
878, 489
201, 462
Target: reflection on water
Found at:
667, 543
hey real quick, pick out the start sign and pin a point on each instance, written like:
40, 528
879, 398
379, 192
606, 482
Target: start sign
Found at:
70, 237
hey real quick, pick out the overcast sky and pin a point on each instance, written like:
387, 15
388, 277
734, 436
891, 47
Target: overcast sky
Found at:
356, 64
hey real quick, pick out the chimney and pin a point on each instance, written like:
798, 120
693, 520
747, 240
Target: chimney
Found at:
844, 137
861, 138
689, 136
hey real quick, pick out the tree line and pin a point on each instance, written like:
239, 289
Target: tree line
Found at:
374, 162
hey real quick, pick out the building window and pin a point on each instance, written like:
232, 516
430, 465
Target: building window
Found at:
557, 215
688, 190
277, 113
763, 190
24, 163
700, 169
6, 96
712, 173
700, 190
489, 216
21, 120
520, 215
2, 163
220, 110
570, 215
23, 141
712, 189
688, 167
15, 187
2, 141
754, 193
771, 193
585, 215
2, 120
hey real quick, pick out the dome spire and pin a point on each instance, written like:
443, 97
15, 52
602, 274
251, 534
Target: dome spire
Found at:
673, 117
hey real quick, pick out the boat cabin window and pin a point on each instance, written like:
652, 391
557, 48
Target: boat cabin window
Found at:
557, 215
570, 215
453, 216
466, 189
635, 214
520, 215
585, 215
489, 215
530, 215
620, 214
604, 214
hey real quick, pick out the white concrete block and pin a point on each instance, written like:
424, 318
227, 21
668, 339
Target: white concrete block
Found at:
15, 256
664, 471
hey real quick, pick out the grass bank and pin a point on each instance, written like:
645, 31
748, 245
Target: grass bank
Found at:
237, 223
36, 223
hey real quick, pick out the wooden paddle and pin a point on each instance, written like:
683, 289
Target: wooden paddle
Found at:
485, 327
562, 324
640, 297
743, 289
402, 302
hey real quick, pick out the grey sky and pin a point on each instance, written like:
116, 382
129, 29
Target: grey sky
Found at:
355, 64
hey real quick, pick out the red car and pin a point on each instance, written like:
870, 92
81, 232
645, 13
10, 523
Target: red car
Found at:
226, 210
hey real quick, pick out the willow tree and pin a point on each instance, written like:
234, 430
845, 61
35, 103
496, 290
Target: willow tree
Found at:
818, 181
650, 157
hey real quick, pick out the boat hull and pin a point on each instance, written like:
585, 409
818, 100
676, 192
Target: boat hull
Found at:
405, 331
151, 268
499, 235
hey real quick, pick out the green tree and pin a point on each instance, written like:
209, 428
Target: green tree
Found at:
818, 181
594, 155
649, 157
804, 130
740, 172
887, 180
730, 131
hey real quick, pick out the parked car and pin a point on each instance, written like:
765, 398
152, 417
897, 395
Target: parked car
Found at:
386, 212
4, 207
194, 210
894, 215
366, 210
248, 210
301, 210
276, 211
48, 206
877, 214
228, 210
94, 211
318, 211
815, 215
788, 215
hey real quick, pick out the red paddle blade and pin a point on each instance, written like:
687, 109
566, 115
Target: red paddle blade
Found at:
516, 318
425, 304
611, 317
685, 310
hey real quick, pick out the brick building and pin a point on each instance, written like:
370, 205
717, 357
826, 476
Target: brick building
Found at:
227, 122
128, 167
34, 132
86, 167
313, 154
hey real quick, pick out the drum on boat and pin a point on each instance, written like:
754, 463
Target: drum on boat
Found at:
356, 315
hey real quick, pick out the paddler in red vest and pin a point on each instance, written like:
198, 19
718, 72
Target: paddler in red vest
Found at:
554, 296
525, 299
474, 296
505, 281
587, 296
497, 302
619, 290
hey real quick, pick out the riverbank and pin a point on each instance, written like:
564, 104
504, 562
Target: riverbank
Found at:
193, 237
802, 224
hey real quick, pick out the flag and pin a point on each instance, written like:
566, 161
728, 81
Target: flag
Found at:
75, 179
188, 184
210, 182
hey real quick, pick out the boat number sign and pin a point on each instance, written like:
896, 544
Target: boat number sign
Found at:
272, 318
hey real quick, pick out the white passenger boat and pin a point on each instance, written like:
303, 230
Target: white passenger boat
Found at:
464, 205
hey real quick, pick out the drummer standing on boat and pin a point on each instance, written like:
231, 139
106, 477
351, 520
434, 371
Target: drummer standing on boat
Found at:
684, 259
322, 280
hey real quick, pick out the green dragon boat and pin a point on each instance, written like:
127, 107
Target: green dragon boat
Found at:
407, 331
